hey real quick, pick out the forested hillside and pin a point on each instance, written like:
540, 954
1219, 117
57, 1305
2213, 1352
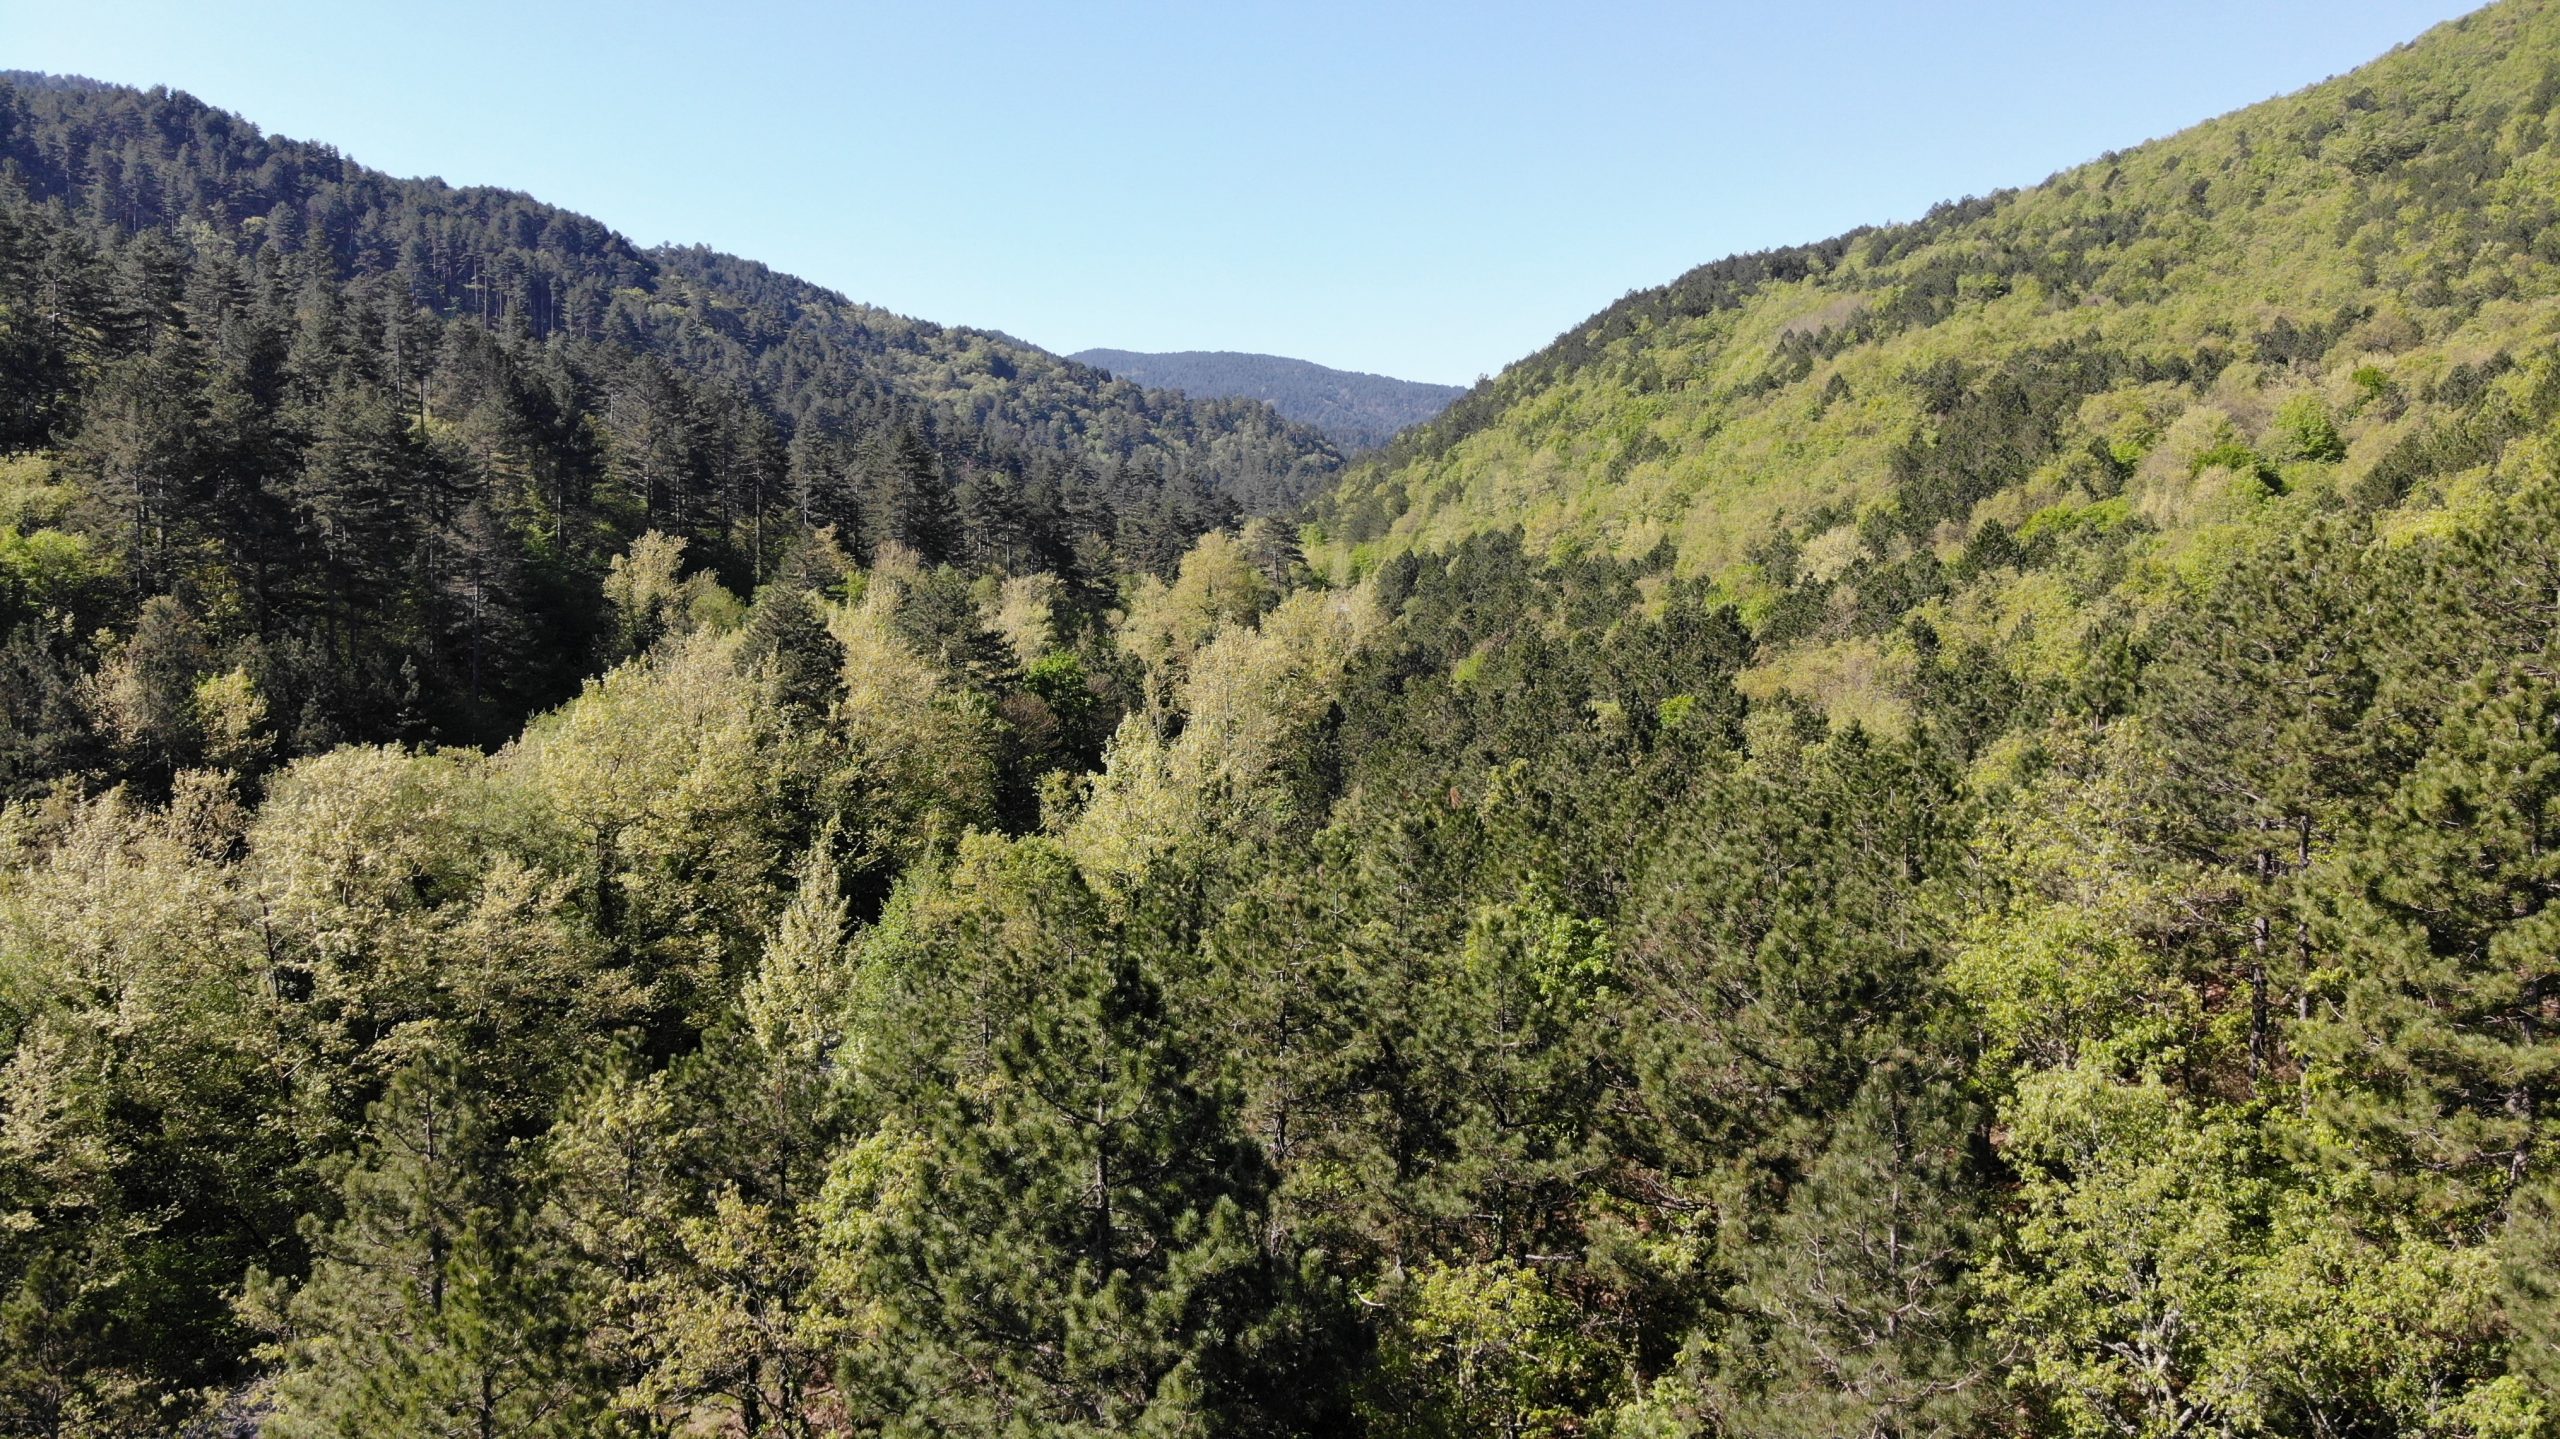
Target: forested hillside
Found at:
2041, 413
1358, 411
1944, 834
361, 449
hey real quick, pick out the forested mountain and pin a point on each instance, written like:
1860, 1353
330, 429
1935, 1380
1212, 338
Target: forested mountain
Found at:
1977, 862
2122, 372
369, 444
1358, 411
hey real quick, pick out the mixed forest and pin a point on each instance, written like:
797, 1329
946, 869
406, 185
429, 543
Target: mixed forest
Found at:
1948, 832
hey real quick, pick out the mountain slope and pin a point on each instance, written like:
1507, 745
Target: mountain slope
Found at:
2128, 365
157, 159
923, 994
1358, 411
375, 449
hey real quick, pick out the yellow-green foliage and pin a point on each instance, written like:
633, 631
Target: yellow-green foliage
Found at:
2063, 969
115, 900
1217, 586
1247, 698
650, 596
1854, 681
2164, 1277
2401, 213
919, 746
1025, 614
44, 567
1480, 1349
664, 783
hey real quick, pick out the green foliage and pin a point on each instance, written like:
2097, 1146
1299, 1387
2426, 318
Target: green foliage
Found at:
47, 569
2169, 1270
1852, 1317
2027, 913
430, 1307
1053, 1228
2307, 431
418, 461
2435, 924
1481, 1349
2182, 327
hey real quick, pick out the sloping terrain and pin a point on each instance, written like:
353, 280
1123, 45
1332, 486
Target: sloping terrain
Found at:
162, 160
1358, 411
373, 445
1984, 868
2100, 382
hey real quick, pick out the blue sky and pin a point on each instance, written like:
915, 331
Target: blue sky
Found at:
1422, 189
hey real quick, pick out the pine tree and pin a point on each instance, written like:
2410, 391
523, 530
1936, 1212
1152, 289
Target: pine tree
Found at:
2260, 701
365, 481
1852, 1311
141, 444
787, 631
653, 445
735, 1314
826, 493
938, 613
1054, 1229
614, 1162
42, 346
45, 730
2528, 1251
1273, 549
483, 590
2434, 1037
432, 1308
1779, 937
994, 534
906, 499
748, 464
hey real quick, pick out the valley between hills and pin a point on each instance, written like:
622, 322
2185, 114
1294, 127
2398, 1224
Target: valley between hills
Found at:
1940, 832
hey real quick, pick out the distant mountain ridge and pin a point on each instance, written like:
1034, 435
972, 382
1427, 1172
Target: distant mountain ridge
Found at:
1357, 410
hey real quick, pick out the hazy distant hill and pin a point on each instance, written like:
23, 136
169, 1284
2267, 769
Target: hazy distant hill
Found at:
1358, 411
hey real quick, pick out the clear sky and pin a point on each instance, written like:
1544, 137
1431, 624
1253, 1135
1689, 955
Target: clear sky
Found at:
1427, 190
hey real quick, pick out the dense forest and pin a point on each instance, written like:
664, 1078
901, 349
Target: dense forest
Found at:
372, 447
1944, 833
1357, 411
